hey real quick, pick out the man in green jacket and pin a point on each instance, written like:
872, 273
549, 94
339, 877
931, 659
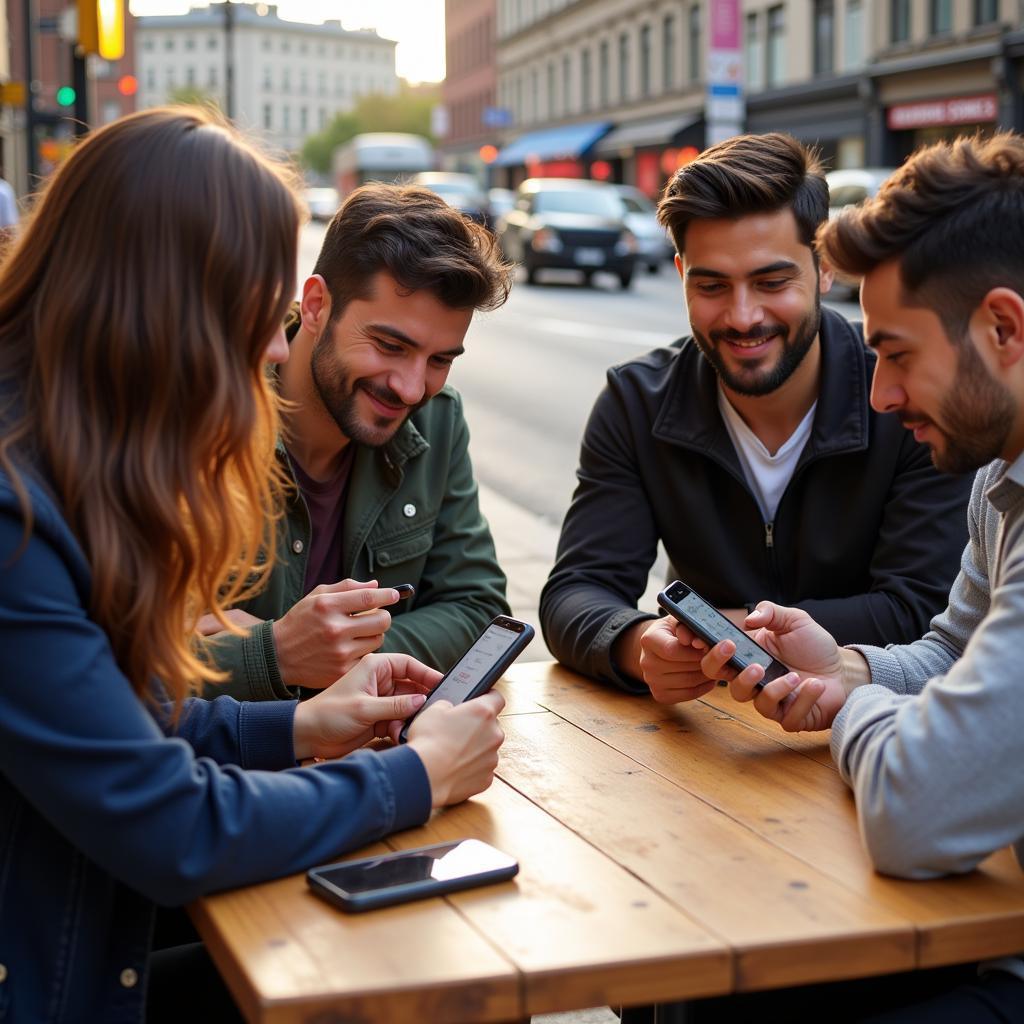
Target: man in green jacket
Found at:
377, 447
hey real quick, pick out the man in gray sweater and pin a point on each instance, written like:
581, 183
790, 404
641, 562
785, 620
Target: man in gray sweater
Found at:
930, 735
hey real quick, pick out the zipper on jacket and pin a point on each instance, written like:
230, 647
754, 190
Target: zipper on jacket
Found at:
769, 539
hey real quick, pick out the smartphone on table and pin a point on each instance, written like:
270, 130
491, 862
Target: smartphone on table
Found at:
480, 667
410, 874
688, 607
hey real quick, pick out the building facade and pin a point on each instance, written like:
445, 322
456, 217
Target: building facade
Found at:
613, 88
469, 90
289, 78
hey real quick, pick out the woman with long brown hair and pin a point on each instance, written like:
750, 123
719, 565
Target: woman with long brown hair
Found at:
138, 309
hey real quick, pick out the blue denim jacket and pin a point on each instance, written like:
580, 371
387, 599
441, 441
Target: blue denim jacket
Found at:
103, 815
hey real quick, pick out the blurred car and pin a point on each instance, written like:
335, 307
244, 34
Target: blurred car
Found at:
654, 246
846, 189
500, 201
569, 223
322, 202
461, 191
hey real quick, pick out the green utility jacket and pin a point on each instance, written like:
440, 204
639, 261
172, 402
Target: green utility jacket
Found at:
411, 516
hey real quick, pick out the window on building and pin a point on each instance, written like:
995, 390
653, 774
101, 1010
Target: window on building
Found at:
534, 95
211, 43
170, 79
853, 35
190, 43
321, 83
668, 53
695, 43
645, 60
585, 80
899, 14
985, 11
266, 44
303, 47
551, 89
286, 80
150, 78
211, 77
776, 46
566, 84
148, 46
303, 120
190, 76
753, 51
286, 46
169, 43
940, 16
604, 74
624, 67
286, 119
268, 81
824, 37
322, 120
268, 116
303, 82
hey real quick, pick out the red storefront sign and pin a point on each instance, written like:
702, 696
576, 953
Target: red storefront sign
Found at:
932, 113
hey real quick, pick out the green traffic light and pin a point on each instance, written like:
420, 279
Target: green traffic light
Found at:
66, 96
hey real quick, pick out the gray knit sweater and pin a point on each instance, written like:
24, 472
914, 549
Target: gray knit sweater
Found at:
935, 753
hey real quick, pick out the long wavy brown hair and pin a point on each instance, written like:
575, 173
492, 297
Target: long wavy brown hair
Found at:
135, 310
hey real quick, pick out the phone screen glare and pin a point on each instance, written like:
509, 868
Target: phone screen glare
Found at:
473, 665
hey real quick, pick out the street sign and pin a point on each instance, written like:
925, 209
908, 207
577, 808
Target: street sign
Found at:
12, 94
497, 117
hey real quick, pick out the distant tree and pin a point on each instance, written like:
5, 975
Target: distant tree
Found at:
408, 111
194, 95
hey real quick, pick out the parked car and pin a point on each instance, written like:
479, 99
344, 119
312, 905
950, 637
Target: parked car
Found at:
654, 246
461, 191
568, 223
848, 188
322, 203
499, 202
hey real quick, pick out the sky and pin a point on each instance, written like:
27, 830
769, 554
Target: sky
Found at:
417, 25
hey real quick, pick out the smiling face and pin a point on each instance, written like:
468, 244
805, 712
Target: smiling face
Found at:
945, 393
753, 295
384, 357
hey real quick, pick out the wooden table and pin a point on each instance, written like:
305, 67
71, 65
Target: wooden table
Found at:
665, 853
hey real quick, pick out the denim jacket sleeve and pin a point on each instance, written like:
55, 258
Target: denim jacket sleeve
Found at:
81, 748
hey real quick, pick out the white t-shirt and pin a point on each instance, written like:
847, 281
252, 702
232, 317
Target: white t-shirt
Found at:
767, 475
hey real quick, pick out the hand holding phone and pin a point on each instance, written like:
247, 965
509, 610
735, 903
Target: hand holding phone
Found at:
481, 666
410, 874
689, 608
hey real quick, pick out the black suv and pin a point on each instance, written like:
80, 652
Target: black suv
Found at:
571, 224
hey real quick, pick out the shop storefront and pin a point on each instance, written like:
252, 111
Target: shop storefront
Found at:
912, 125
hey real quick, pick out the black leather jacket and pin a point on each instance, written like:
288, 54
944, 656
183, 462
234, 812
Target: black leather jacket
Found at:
867, 536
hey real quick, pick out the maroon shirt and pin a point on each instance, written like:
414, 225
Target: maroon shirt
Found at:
325, 500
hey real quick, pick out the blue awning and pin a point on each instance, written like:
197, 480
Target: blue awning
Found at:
568, 142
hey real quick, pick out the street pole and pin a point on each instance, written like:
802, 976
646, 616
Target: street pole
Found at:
29, 15
229, 59
80, 81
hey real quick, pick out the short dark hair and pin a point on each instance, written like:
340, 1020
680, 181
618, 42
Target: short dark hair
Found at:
744, 175
412, 234
953, 215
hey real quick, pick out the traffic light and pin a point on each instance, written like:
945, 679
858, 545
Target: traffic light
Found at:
127, 85
101, 27
65, 96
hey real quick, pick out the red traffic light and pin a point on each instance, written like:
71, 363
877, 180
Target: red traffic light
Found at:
127, 85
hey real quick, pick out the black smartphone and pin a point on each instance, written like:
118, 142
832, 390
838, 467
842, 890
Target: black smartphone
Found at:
410, 874
405, 590
689, 608
481, 666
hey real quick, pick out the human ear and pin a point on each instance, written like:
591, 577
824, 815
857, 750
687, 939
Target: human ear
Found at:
315, 305
826, 276
997, 327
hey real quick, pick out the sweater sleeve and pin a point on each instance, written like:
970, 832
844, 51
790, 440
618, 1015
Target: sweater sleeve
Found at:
148, 808
937, 774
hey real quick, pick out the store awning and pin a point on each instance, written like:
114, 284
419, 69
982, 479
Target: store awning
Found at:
636, 134
568, 142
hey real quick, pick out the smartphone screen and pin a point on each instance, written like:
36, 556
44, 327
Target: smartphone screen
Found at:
440, 863
712, 626
470, 669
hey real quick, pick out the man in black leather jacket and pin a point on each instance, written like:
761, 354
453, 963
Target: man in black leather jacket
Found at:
749, 449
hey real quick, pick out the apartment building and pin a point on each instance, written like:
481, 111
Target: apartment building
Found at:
613, 88
469, 90
289, 78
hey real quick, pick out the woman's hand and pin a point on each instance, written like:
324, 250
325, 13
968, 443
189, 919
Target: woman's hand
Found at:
373, 699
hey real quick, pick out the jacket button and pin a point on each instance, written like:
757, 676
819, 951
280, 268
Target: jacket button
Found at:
3, 974
384, 558
129, 977
409, 510
298, 546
